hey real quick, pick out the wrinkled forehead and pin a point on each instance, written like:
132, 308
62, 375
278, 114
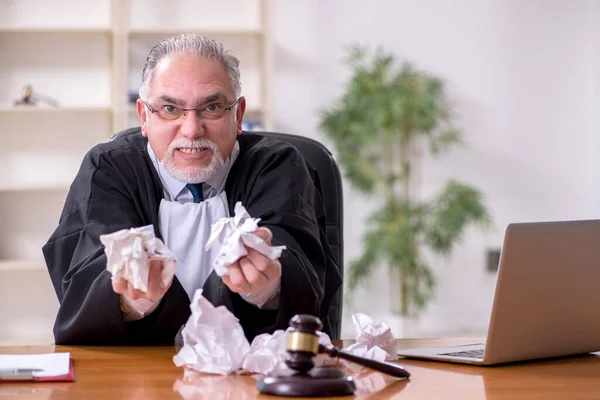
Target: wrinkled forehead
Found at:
195, 76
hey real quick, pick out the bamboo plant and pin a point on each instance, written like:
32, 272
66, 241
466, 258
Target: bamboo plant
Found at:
388, 116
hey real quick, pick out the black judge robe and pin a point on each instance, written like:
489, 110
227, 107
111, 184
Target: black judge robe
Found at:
117, 187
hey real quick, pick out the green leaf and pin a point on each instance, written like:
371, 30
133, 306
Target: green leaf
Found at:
444, 141
364, 266
454, 208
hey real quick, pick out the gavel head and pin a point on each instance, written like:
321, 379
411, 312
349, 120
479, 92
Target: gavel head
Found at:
303, 342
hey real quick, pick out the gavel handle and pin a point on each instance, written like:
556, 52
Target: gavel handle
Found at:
386, 368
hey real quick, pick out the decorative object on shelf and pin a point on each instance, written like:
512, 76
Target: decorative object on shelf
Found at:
132, 97
252, 126
382, 127
28, 98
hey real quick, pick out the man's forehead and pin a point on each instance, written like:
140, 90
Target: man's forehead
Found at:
182, 71
190, 64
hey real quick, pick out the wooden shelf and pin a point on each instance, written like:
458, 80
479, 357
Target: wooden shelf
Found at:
204, 32
58, 187
55, 30
45, 109
22, 265
254, 110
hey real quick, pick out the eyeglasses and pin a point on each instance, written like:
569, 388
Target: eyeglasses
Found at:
212, 111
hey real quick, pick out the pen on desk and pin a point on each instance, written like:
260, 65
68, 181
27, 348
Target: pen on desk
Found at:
18, 373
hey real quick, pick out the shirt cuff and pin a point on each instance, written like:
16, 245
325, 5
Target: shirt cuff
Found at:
134, 310
267, 299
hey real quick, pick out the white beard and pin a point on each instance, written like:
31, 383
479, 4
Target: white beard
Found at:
193, 174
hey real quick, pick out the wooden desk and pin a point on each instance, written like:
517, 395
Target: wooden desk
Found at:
149, 373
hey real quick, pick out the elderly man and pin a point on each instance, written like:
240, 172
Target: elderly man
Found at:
185, 169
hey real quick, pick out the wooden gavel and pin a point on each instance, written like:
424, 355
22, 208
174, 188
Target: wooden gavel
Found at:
303, 379
303, 345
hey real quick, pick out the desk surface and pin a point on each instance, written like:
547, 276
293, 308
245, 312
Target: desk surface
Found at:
149, 373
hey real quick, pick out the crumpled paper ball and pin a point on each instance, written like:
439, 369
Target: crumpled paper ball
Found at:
129, 252
213, 339
234, 234
267, 353
374, 339
214, 342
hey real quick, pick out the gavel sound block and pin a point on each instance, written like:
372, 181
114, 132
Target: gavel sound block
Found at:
304, 380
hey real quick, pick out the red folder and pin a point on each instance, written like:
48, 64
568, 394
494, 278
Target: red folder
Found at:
29, 374
70, 377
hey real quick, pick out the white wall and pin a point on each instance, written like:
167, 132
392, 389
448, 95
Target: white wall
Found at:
524, 78
28, 305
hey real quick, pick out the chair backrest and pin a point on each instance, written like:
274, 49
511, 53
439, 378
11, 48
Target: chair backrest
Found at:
321, 159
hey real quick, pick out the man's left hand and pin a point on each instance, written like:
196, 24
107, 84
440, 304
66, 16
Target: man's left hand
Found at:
254, 271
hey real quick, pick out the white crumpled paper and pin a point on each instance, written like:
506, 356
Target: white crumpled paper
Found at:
213, 339
374, 339
267, 353
214, 342
129, 252
234, 234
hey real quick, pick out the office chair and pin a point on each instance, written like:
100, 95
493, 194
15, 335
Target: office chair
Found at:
321, 159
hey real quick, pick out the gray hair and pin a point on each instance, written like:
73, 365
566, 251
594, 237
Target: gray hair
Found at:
194, 45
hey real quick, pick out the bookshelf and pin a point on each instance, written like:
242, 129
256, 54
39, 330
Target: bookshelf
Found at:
88, 56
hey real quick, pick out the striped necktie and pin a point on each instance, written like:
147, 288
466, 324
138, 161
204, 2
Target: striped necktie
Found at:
196, 189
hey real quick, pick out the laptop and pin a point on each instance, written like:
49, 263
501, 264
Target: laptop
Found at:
547, 297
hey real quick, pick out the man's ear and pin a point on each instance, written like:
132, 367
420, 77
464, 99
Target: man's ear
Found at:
239, 113
143, 114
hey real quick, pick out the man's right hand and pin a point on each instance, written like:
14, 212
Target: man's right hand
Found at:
156, 290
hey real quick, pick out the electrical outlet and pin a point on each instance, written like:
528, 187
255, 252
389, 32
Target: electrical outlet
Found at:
493, 260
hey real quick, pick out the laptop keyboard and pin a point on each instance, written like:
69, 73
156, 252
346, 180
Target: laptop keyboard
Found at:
478, 353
